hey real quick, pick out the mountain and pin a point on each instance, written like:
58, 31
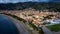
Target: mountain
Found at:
24, 5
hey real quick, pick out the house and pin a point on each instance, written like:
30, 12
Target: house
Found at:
52, 21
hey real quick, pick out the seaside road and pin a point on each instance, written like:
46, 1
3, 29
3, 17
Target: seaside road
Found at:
46, 30
9, 25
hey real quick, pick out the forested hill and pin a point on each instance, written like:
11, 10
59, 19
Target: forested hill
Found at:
24, 5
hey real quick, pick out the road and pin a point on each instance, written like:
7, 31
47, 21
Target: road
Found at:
9, 25
46, 30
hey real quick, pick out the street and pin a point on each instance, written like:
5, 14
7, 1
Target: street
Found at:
10, 25
46, 30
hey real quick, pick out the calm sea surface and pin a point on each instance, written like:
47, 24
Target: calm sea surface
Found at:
7, 26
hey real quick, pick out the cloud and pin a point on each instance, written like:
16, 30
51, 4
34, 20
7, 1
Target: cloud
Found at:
11, 1
45, 0
15, 1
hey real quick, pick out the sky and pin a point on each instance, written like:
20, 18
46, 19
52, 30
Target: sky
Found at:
15, 1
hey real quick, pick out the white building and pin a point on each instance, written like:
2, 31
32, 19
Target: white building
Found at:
53, 21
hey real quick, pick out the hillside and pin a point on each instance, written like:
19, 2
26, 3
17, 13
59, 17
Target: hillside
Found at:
35, 5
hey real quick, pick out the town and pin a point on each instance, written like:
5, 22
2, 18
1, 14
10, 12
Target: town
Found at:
38, 18
30, 17
32, 14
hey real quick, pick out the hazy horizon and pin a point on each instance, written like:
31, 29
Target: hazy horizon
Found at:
16, 1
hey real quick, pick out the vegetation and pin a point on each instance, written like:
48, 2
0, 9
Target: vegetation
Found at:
39, 29
30, 23
48, 17
20, 19
55, 27
34, 5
